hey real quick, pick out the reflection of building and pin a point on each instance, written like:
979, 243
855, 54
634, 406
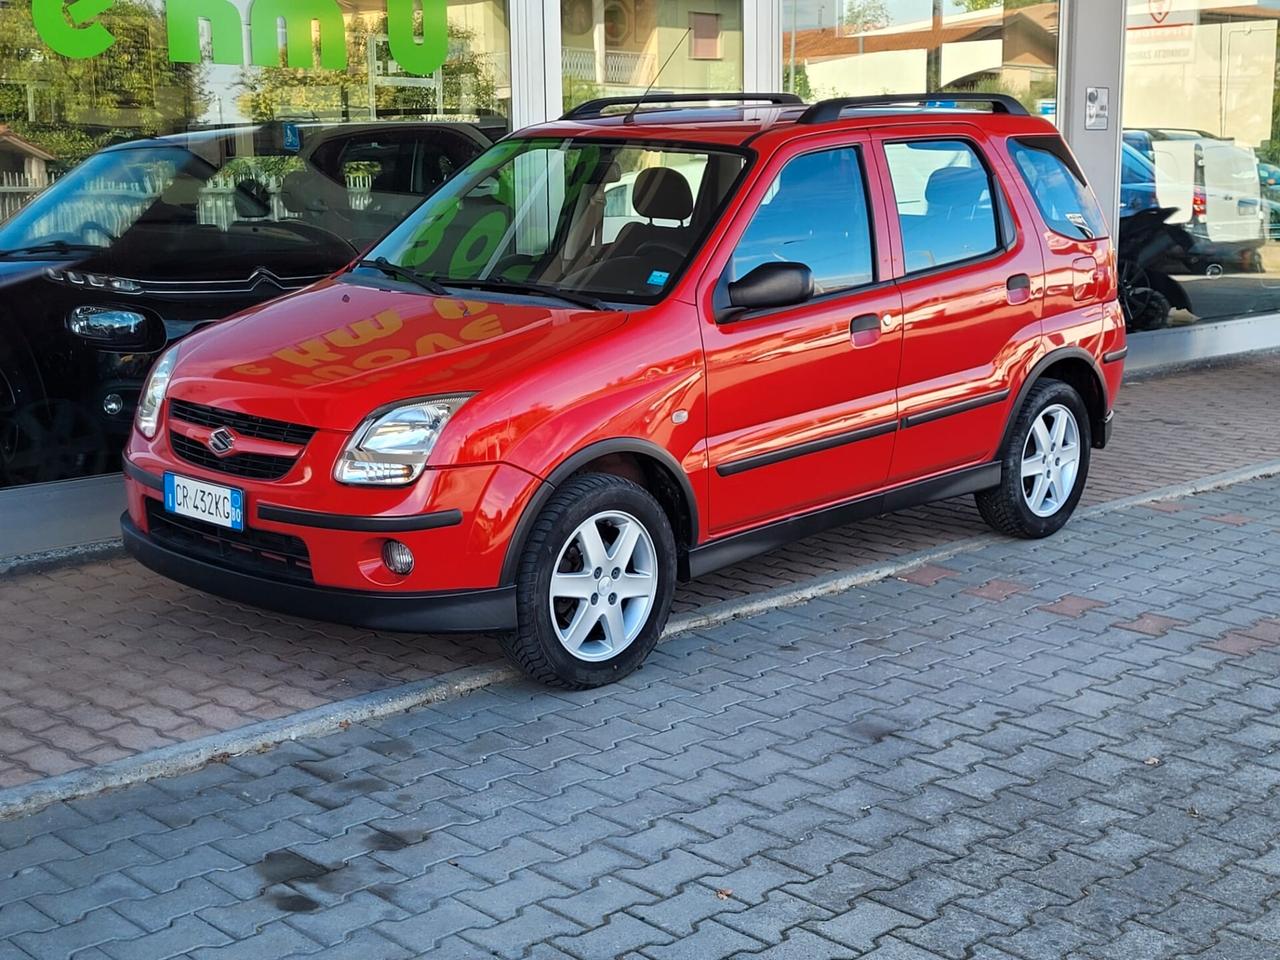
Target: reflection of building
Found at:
23, 170
20, 157
617, 46
993, 48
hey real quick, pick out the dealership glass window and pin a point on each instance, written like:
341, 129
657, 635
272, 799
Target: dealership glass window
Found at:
619, 47
1199, 219
867, 47
175, 161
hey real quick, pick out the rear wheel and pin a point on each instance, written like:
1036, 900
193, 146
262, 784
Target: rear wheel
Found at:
595, 583
1045, 462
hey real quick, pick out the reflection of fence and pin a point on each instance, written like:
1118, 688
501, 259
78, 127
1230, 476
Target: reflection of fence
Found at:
620, 66
100, 205
115, 206
16, 189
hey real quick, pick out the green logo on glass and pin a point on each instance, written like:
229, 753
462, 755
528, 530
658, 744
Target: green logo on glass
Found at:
74, 30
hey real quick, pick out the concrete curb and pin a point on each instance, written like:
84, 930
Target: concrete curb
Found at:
61, 557
185, 757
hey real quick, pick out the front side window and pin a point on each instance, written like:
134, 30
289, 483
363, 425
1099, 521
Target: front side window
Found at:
1065, 202
814, 213
615, 220
943, 194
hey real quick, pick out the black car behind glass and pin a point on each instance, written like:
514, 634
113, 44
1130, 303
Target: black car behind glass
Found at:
147, 240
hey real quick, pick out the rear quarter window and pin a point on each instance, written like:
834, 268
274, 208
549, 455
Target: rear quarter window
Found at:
1058, 188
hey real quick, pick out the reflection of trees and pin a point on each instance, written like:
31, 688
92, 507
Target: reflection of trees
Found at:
467, 83
74, 107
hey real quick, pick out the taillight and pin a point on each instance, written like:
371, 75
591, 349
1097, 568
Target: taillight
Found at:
1199, 204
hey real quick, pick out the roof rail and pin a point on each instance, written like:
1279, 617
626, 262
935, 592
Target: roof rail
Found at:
594, 109
828, 110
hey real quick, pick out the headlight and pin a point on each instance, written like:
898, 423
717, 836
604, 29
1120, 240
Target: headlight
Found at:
152, 399
391, 448
109, 325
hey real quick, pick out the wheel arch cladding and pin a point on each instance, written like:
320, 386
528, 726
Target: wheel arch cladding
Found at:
640, 461
1079, 369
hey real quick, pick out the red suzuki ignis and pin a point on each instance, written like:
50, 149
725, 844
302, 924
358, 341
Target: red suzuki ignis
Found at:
619, 350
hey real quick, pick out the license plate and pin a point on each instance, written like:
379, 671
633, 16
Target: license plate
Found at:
210, 502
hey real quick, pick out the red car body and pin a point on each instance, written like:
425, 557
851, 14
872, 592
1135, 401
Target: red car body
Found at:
744, 431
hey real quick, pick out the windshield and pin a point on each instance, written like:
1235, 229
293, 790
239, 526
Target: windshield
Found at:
159, 185
613, 220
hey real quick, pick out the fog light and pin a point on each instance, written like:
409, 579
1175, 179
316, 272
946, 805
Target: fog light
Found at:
397, 557
112, 404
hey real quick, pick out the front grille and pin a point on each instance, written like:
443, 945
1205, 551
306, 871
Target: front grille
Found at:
260, 428
253, 466
259, 552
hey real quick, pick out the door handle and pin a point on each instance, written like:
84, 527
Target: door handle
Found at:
864, 330
1018, 289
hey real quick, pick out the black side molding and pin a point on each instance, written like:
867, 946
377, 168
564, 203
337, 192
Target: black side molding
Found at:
951, 409
1115, 355
801, 449
341, 521
734, 549
136, 473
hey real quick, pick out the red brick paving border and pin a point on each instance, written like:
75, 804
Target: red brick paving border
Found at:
104, 659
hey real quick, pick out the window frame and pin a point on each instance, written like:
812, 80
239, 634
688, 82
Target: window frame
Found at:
694, 39
877, 281
1006, 227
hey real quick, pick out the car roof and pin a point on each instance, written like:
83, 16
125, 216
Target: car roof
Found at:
735, 126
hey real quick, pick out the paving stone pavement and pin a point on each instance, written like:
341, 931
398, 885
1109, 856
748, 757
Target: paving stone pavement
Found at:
1058, 749
104, 660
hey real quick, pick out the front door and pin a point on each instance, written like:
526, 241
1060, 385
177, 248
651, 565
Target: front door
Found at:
802, 403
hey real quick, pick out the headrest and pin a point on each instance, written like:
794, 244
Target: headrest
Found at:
956, 187
661, 193
182, 191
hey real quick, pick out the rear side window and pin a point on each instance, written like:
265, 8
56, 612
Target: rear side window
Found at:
815, 213
943, 193
1058, 188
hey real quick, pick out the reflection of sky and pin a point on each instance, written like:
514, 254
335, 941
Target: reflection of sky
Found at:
814, 13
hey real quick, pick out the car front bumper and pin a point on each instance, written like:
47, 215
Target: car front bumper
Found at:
463, 611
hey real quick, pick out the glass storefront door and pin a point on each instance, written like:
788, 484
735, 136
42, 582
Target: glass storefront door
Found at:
868, 47
618, 47
1200, 167
166, 163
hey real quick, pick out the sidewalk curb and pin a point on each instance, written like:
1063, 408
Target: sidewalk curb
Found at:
185, 757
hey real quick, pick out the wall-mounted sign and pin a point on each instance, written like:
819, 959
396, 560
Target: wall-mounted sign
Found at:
74, 29
1097, 108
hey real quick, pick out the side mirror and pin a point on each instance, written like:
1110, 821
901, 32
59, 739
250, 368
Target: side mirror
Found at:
775, 284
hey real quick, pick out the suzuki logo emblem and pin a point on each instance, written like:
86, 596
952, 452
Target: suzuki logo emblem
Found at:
221, 441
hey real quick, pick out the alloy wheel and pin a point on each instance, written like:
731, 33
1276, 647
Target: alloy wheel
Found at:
603, 585
1050, 460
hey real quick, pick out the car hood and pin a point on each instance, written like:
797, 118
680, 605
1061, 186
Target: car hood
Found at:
329, 355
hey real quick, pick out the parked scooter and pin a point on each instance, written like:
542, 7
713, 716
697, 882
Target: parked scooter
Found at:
1147, 242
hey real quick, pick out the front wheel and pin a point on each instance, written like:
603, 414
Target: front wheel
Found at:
1045, 462
595, 583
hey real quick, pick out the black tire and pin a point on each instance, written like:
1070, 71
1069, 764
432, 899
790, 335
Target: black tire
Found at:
535, 646
1005, 507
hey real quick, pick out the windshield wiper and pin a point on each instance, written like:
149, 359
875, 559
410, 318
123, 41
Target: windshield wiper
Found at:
52, 246
529, 286
406, 274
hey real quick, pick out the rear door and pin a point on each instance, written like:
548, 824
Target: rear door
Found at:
802, 399
972, 281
